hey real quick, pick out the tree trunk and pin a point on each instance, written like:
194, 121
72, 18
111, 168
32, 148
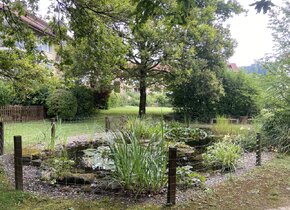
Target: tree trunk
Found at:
142, 90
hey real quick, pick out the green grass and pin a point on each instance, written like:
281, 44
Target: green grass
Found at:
265, 187
133, 110
39, 131
224, 127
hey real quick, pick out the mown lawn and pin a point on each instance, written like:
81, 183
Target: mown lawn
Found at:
39, 131
265, 187
133, 110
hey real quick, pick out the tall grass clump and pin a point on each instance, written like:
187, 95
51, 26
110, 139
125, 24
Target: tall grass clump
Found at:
143, 128
224, 127
139, 167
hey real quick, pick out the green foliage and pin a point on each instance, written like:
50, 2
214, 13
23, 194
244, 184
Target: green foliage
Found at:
133, 98
62, 103
57, 168
5, 94
240, 97
112, 32
85, 101
264, 5
143, 128
139, 167
277, 82
224, 127
223, 155
117, 100
187, 178
180, 133
197, 96
276, 131
24, 74
247, 140
162, 100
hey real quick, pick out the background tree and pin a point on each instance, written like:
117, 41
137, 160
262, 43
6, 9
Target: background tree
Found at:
276, 126
149, 29
277, 81
205, 48
241, 95
170, 35
197, 97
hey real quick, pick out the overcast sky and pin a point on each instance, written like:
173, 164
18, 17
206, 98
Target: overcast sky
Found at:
250, 31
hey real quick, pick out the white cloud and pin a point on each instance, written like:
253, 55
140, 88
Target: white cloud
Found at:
252, 34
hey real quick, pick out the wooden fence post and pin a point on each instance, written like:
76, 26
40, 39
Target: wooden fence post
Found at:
18, 163
107, 124
171, 191
258, 150
1, 138
53, 131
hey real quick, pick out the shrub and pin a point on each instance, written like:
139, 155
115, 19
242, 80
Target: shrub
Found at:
5, 94
114, 100
187, 178
223, 155
85, 101
139, 167
276, 131
133, 98
162, 100
62, 103
117, 100
247, 141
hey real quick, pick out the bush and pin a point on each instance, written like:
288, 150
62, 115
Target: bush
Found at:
162, 100
5, 94
187, 178
62, 103
133, 99
138, 167
85, 101
117, 100
276, 131
223, 155
247, 141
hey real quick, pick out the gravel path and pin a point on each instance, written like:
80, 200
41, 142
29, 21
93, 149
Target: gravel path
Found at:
246, 163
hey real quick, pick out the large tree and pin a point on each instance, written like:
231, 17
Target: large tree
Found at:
207, 45
171, 36
151, 31
21, 64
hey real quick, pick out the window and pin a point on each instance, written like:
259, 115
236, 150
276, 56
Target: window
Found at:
44, 47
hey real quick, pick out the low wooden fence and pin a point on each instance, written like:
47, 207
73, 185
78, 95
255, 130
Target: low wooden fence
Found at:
21, 113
